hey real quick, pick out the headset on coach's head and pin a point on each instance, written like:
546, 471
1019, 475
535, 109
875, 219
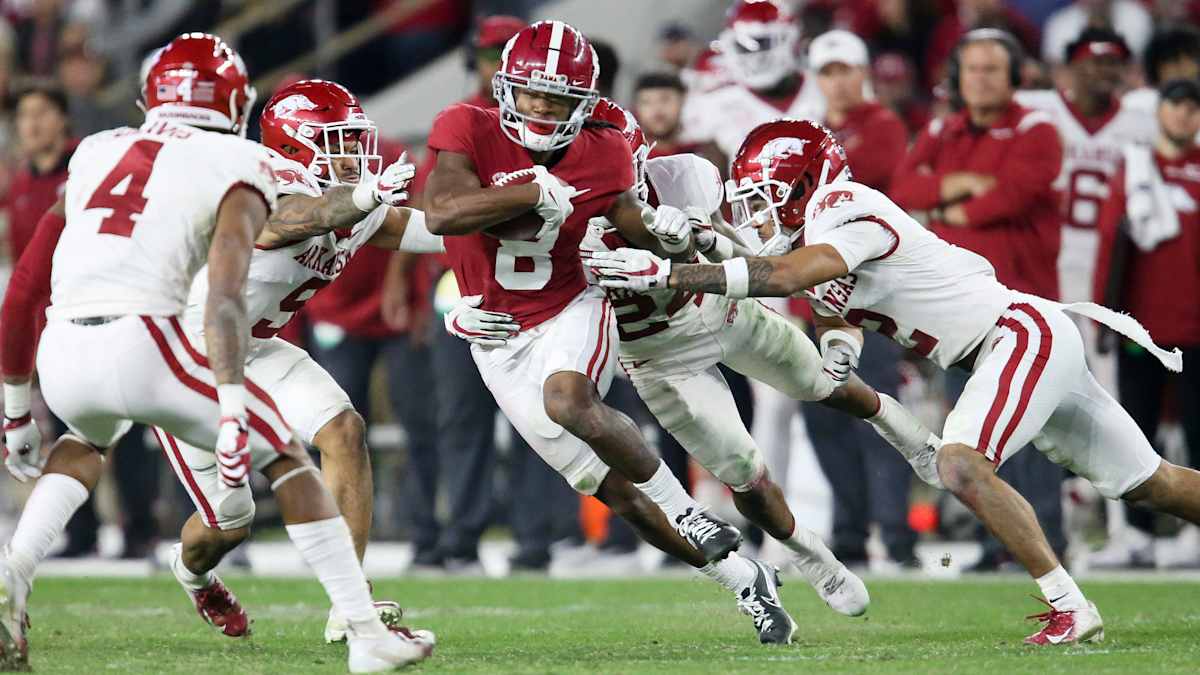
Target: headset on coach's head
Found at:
1016, 58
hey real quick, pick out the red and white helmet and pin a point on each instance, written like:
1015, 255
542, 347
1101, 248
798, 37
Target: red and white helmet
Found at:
627, 124
758, 44
315, 122
553, 58
200, 81
774, 174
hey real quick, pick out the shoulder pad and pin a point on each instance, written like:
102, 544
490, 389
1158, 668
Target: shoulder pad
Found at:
292, 177
839, 203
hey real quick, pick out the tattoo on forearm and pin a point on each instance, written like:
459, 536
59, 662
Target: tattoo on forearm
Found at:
225, 336
302, 217
761, 271
764, 281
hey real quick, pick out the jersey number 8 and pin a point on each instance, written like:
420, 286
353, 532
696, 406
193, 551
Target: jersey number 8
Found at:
525, 265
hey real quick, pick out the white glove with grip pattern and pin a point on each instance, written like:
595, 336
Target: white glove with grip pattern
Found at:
670, 225
629, 268
390, 187
554, 203
23, 448
233, 455
839, 355
478, 326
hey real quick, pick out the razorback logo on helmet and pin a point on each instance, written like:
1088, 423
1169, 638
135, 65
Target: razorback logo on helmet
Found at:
289, 105
780, 148
833, 199
316, 123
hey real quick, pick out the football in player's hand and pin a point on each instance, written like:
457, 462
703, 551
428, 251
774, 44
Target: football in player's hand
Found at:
524, 226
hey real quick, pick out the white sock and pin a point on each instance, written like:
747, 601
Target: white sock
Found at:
189, 579
899, 427
664, 489
1061, 591
734, 572
54, 499
327, 548
813, 557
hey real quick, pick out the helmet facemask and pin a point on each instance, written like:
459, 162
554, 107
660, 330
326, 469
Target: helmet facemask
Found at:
559, 133
641, 187
769, 200
759, 55
355, 138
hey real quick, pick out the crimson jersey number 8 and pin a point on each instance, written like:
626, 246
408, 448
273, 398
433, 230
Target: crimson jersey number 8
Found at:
525, 265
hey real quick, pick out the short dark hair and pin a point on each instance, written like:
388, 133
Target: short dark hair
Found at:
47, 89
1095, 34
609, 66
1170, 45
659, 80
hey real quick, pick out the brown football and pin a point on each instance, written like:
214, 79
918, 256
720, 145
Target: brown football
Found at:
524, 226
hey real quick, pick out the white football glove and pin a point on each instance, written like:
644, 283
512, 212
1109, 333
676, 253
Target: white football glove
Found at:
22, 448
233, 455
478, 326
670, 225
629, 268
839, 355
702, 228
554, 204
389, 187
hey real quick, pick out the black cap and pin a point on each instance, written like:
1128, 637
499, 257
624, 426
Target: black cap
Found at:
1178, 90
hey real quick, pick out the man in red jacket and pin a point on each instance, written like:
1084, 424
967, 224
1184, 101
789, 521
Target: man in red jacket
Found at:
985, 175
1148, 261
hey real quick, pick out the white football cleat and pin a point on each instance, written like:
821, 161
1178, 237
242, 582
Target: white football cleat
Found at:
386, 650
1068, 627
14, 593
389, 613
842, 590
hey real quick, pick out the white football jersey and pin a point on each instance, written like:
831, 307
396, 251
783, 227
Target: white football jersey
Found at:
679, 181
1090, 156
725, 115
904, 282
141, 207
281, 280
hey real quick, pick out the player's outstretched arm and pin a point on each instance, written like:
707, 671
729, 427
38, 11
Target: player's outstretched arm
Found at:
456, 203
299, 217
762, 277
407, 230
240, 219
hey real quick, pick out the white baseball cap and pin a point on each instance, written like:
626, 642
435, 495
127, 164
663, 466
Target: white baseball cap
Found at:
837, 46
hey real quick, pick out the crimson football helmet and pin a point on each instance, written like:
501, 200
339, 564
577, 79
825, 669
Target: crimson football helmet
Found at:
758, 43
627, 124
552, 58
200, 81
315, 122
774, 174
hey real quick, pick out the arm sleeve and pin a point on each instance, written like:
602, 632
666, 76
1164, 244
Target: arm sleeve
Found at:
860, 241
1029, 168
915, 184
27, 296
452, 131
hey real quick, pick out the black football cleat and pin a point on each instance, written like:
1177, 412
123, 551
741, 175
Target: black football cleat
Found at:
713, 537
760, 601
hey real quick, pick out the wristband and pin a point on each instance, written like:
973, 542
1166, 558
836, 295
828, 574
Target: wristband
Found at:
232, 399
722, 246
677, 247
842, 336
16, 400
417, 237
737, 278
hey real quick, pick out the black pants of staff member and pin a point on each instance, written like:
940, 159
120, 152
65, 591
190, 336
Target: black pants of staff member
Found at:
870, 480
1142, 384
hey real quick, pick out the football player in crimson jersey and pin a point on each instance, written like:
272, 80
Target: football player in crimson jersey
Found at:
672, 341
114, 351
863, 262
550, 377
333, 201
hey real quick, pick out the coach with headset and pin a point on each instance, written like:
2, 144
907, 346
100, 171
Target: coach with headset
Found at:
983, 175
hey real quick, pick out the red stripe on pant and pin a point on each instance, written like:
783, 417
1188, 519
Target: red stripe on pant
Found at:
255, 390
601, 338
1045, 342
1006, 378
205, 390
607, 344
185, 472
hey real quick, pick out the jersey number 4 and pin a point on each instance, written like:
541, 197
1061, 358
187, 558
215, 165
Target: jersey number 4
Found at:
122, 189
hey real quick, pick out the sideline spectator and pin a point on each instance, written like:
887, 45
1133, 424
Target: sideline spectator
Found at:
658, 105
1149, 266
1172, 54
1127, 17
677, 46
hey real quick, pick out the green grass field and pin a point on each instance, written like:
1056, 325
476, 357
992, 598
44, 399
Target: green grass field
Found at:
539, 626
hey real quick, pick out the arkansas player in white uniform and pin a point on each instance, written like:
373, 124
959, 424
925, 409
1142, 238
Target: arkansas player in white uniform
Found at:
333, 201
868, 264
672, 341
145, 209
1092, 143
758, 52
517, 245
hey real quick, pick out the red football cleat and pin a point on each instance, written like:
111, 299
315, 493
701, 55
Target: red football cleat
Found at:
221, 609
1067, 627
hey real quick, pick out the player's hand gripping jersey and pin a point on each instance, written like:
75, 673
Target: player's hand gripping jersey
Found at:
532, 280
136, 236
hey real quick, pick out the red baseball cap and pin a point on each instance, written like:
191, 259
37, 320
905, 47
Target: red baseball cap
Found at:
494, 31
